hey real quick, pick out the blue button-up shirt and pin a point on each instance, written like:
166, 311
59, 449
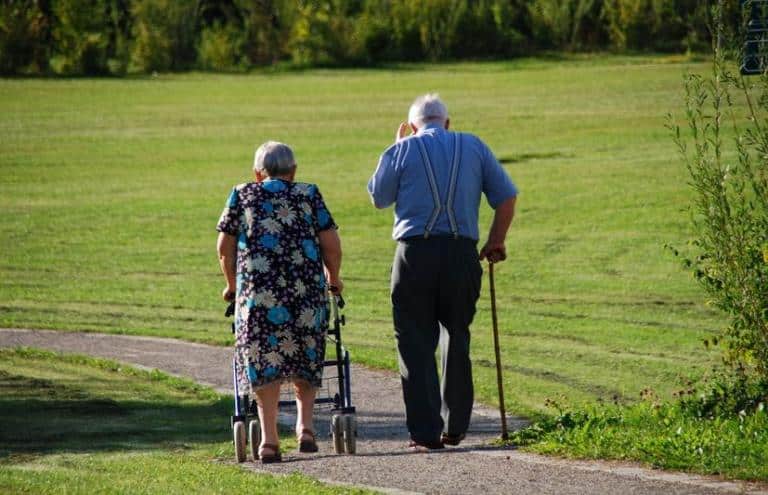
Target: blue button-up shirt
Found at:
401, 178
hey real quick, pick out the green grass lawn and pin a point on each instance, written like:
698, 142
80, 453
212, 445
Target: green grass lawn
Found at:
79, 425
660, 435
110, 191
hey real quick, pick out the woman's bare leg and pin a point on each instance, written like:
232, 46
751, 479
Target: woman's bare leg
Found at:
305, 405
268, 397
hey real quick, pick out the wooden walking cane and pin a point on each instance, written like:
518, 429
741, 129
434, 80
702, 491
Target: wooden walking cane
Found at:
504, 434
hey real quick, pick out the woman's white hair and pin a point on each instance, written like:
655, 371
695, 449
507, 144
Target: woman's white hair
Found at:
426, 109
274, 159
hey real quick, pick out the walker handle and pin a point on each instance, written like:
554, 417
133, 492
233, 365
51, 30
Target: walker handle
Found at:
335, 293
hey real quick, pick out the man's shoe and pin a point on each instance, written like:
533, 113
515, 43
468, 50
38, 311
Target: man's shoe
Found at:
452, 439
418, 446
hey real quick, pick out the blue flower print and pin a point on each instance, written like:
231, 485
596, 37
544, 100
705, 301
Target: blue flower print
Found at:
278, 315
274, 185
253, 375
282, 312
323, 218
232, 200
270, 371
310, 249
319, 318
269, 241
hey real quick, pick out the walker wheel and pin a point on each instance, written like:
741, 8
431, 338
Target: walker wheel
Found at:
254, 438
238, 431
337, 432
349, 425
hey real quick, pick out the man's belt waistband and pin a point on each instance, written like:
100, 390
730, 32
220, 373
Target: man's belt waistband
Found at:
414, 238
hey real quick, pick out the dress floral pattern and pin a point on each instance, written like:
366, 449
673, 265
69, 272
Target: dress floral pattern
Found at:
281, 315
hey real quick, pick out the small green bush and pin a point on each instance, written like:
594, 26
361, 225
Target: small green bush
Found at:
79, 35
164, 34
221, 48
320, 34
726, 155
24, 31
570, 24
266, 29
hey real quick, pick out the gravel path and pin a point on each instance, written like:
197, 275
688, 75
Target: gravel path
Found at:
382, 461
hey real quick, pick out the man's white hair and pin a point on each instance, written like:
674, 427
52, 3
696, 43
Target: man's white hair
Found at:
274, 159
427, 109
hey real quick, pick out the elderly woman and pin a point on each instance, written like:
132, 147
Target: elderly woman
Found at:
280, 253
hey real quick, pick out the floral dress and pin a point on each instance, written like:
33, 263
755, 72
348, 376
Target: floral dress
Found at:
281, 315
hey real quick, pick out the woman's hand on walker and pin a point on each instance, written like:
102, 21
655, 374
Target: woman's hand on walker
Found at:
228, 294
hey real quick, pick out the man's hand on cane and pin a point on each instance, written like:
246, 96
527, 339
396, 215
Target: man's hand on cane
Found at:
494, 251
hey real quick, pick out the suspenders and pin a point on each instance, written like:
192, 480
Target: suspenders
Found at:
439, 206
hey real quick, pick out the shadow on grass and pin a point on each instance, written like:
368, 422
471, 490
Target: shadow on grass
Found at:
526, 157
602, 393
53, 416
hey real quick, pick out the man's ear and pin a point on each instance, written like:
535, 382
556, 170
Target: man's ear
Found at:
447, 123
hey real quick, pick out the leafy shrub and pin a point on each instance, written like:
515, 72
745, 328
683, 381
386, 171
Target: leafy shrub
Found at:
266, 29
24, 33
321, 34
659, 24
729, 176
220, 48
726, 394
164, 34
569, 24
372, 39
79, 38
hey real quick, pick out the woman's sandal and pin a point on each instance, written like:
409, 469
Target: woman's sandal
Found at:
267, 458
307, 446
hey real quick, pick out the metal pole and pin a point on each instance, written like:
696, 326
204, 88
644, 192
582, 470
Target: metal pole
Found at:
504, 433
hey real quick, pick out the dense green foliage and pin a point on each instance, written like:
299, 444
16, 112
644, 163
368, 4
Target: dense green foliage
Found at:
725, 148
115, 36
75, 424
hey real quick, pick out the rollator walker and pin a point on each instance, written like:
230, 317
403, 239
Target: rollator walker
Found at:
335, 394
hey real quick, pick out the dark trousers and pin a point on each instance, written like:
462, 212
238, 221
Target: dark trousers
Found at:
435, 287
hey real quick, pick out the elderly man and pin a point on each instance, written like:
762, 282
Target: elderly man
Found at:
435, 179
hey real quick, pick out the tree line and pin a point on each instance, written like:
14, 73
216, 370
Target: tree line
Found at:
101, 37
